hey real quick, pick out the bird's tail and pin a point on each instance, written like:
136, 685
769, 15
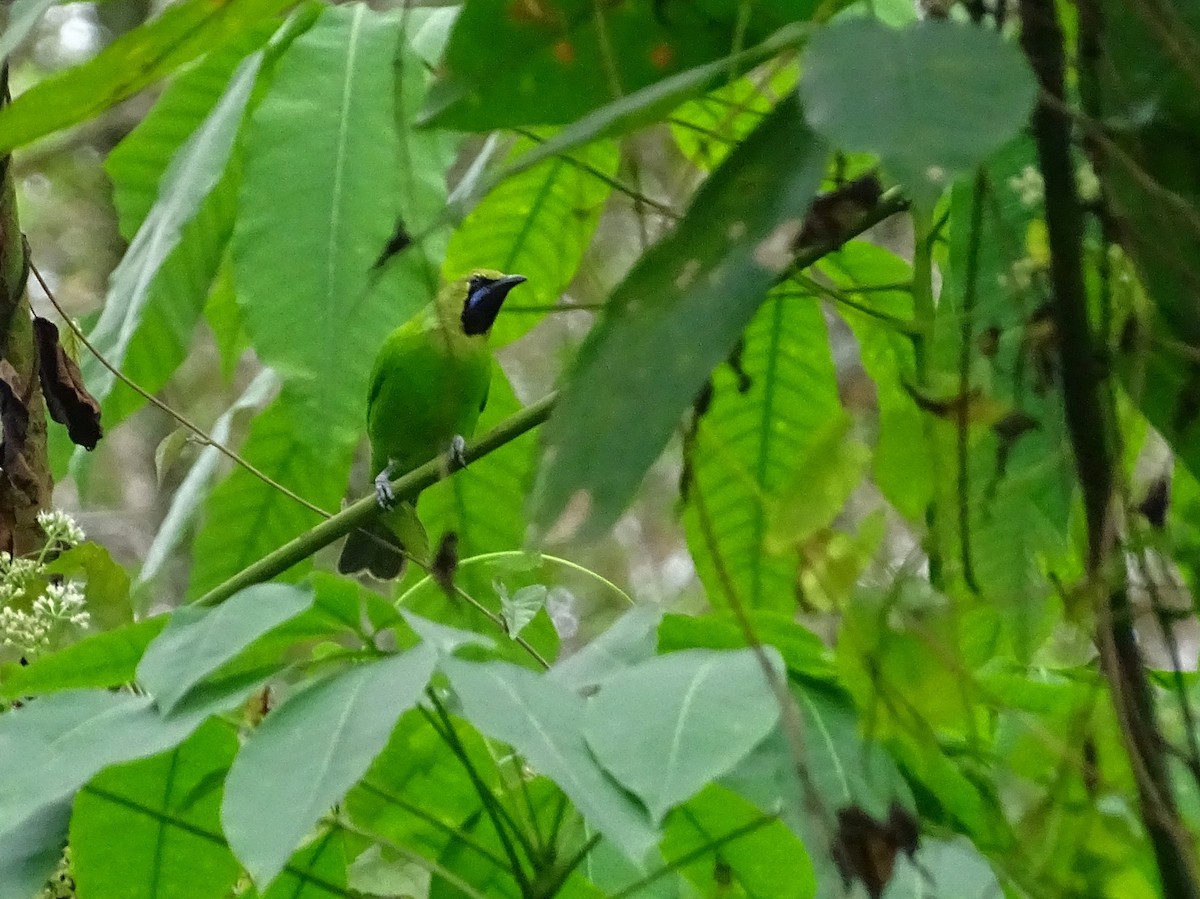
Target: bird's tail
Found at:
381, 546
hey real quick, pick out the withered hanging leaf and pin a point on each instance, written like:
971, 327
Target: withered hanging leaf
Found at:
67, 399
834, 215
1158, 500
445, 562
865, 849
14, 420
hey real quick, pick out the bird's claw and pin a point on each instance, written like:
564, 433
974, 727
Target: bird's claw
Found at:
457, 455
383, 490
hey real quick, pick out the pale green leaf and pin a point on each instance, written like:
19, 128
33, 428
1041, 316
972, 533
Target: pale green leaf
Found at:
329, 733
627, 641
520, 608
937, 98
107, 659
192, 175
196, 642
543, 720
193, 489
664, 744
139, 161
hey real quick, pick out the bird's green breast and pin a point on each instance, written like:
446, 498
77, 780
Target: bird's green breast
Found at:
428, 385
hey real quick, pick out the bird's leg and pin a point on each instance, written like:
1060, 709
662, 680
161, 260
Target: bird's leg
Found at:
383, 487
456, 457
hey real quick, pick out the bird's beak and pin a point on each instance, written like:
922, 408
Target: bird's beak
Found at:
482, 308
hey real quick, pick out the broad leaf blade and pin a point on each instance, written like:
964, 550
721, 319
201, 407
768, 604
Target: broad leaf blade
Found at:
196, 642
330, 123
134, 829
937, 98
673, 319
664, 744
191, 176
329, 733
543, 720
107, 659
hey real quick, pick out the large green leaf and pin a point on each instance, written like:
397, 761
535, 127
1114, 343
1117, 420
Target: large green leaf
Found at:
64, 739
138, 162
169, 312
329, 733
538, 224
552, 62
543, 720
30, 849
748, 448
133, 61
319, 199
246, 518
134, 828
196, 642
665, 744
107, 659
627, 641
678, 313
936, 99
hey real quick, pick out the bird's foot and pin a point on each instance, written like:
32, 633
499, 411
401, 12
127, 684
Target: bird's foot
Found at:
456, 458
383, 489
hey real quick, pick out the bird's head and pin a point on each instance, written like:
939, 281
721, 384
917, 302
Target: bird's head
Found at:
485, 291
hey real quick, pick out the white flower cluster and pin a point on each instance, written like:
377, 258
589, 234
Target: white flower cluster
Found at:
57, 607
60, 528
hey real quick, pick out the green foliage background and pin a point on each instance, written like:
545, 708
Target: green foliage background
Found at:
844, 409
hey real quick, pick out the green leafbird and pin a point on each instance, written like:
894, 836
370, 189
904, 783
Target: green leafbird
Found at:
429, 385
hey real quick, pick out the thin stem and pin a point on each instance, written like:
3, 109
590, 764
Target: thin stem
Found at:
970, 289
925, 318
518, 554
1088, 423
689, 857
200, 435
501, 820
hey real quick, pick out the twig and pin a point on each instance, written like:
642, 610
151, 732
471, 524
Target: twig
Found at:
366, 509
